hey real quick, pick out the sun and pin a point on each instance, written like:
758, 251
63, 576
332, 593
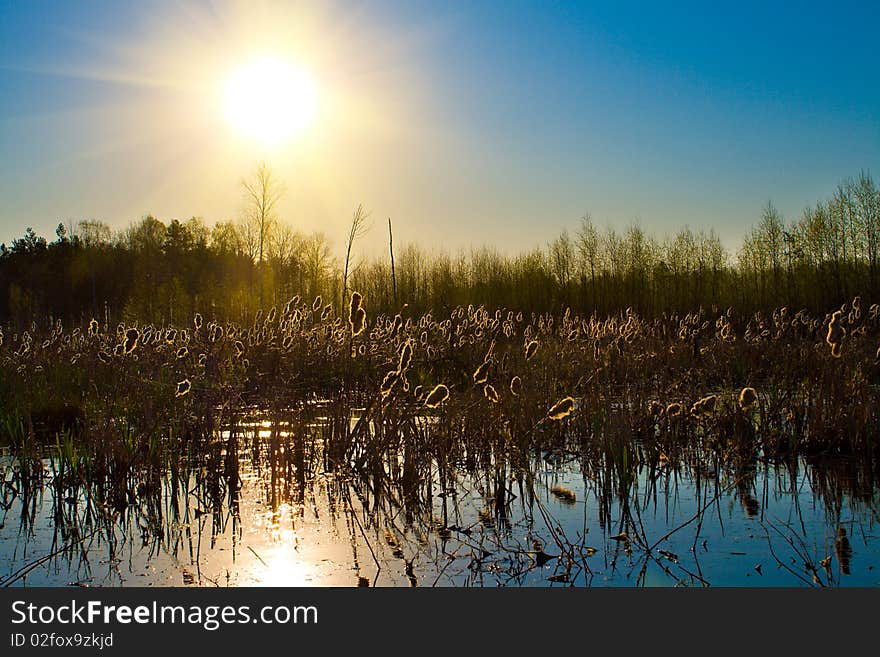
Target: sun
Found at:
270, 100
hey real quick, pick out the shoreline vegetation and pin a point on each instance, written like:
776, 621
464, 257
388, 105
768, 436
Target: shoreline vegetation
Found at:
107, 407
159, 273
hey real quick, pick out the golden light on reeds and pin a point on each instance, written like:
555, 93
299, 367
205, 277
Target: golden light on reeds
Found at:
531, 348
515, 386
491, 393
131, 340
561, 409
481, 375
835, 334
406, 352
674, 409
357, 316
183, 387
747, 398
704, 406
437, 396
388, 383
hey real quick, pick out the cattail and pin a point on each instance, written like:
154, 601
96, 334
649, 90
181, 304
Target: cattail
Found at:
389, 382
203, 359
356, 299
104, 356
239, 347
131, 340
674, 409
119, 350
836, 332
491, 393
747, 397
358, 322
170, 334
182, 352
704, 406
561, 409
326, 312
395, 327
531, 348
437, 396
482, 373
406, 352
197, 321
317, 303
515, 386
182, 388
93, 328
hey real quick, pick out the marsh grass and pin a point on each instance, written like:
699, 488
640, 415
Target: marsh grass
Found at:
406, 410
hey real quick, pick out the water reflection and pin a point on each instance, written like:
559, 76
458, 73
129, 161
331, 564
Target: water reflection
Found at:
283, 502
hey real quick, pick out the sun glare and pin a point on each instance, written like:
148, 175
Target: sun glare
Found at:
269, 100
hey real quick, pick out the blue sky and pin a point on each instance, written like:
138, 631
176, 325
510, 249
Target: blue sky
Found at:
467, 123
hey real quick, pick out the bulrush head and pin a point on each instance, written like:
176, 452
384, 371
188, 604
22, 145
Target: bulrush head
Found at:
482, 373
747, 398
836, 333
673, 410
388, 383
357, 316
515, 386
561, 409
131, 340
437, 396
182, 388
358, 322
704, 406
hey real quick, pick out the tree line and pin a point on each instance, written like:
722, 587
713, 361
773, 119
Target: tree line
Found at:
160, 272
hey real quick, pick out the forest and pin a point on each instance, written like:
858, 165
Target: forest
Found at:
163, 272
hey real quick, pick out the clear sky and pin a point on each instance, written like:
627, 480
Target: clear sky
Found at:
466, 123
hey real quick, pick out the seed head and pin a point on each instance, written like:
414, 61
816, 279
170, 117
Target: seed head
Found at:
482, 373
515, 386
182, 388
561, 409
747, 397
406, 352
437, 396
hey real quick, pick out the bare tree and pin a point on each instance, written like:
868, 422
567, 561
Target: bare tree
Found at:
391, 250
359, 226
261, 197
